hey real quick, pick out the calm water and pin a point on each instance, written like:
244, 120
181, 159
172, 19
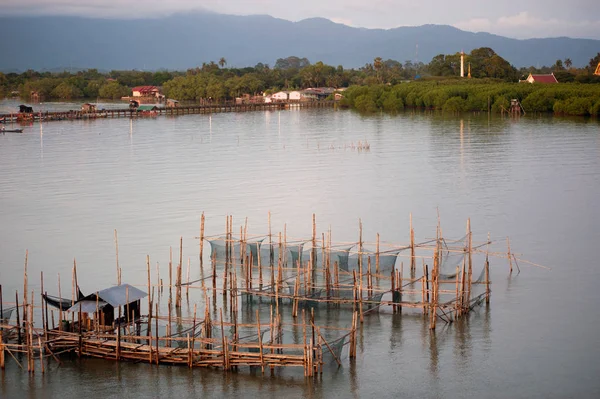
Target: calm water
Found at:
65, 186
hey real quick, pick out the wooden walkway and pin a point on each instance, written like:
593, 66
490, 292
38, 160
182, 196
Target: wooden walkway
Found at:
181, 110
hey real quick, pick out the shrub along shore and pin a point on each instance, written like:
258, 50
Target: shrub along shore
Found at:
476, 95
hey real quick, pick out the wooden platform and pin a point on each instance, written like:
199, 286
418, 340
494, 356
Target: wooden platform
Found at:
181, 110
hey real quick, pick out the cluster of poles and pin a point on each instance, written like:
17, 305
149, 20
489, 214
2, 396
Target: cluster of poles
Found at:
284, 280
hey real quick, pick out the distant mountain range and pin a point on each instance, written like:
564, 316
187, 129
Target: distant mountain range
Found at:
185, 41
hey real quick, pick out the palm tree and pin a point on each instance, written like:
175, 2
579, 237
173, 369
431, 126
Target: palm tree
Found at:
378, 65
568, 63
222, 62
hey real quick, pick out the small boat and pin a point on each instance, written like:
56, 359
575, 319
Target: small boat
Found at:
11, 130
62, 303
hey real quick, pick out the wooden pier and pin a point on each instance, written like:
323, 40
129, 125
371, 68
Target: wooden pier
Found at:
48, 116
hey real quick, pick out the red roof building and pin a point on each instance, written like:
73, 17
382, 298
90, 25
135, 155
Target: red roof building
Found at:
144, 91
548, 78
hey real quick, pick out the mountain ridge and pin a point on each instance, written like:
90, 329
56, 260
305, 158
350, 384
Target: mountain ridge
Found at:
182, 41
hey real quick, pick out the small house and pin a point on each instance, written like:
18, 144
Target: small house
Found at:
87, 107
546, 78
294, 96
280, 96
146, 91
172, 103
105, 304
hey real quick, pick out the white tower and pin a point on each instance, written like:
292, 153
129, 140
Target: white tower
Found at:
462, 64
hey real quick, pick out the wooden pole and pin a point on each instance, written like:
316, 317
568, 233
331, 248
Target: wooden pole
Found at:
271, 255
117, 257
170, 271
60, 315
509, 255
201, 240
149, 304
412, 247
25, 302
44, 314
470, 237
377, 256
487, 281
260, 342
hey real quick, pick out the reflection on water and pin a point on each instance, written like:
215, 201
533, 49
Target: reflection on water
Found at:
65, 186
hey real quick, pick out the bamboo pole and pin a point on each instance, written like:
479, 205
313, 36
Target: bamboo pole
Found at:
314, 240
400, 284
25, 302
44, 314
377, 256
487, 281
170, 272
201, 240
271, 255
60, 315
149, 305
117, 258
509, 255
412, 247
260, 342
470, 236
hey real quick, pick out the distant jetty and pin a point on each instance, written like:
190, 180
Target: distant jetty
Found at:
153, 111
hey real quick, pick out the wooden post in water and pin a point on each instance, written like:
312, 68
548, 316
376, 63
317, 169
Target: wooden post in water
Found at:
470, 237
271, 254
170, 272
487, 281
509, 255
412, 248
201, 240
25, 302
314, 241
377, 256
179, 272
400, 284
117, 256
149, 304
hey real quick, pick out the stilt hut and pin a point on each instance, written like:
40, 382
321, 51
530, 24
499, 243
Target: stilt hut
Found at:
108, 301
87, 107
171, 103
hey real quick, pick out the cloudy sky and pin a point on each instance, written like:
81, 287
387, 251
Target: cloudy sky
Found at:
512, 18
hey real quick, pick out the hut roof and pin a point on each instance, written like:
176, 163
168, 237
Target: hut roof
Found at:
147, 108
86, 306
549, 78
145, 89
115, 296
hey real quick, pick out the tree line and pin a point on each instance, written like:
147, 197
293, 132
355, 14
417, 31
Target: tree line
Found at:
216, 81
455, 96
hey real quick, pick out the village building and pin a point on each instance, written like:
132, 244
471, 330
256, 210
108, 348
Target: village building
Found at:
146, 91
546, 78
171, 103
280, 96
318, 93
294, 96
87, 107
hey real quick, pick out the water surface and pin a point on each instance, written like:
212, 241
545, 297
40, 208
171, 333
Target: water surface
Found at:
65, 186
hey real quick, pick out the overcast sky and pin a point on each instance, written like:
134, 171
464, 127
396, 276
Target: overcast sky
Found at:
512, 18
